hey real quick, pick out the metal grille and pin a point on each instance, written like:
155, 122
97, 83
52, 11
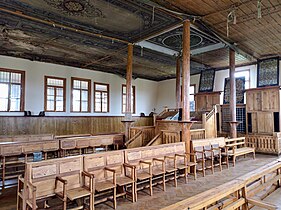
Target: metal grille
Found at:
240, 117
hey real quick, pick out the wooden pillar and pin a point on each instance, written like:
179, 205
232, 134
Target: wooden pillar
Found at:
233, 123
178, 83
186, 137
128, 112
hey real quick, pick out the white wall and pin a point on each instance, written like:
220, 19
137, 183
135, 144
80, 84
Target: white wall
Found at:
146, 91
167, 92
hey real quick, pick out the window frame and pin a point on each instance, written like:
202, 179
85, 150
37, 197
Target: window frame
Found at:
89, 94
22, 83
108, 97
134, 101
45, 92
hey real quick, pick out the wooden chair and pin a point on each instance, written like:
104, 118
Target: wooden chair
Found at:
183, 163
217, 155
62, 177
110, 173
209, 157
200, 158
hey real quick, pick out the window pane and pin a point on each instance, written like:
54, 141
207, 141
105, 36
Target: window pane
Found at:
15, 105
4, 90
101, 87
84, 107
59, 104
59, 92
4, 76
15, 78
55, 82
3, 104
15, 91
76, 95
51, 91
84, 85
84, 95
50, 105
76, 84
50, 98
76, 106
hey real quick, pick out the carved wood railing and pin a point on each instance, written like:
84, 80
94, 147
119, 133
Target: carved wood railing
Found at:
265, 144
198, 134
140, 136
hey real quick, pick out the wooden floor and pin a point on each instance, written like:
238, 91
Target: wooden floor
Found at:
172, 195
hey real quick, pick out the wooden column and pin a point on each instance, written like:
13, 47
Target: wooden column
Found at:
128, 112
186, 137
178, 83
233, 123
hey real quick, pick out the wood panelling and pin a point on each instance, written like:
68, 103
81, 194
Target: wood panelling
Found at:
66, 125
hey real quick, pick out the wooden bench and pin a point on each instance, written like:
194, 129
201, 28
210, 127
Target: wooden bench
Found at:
110, 173
209, 150
237, 147
62, 177
13, 155
82, 144
157, 162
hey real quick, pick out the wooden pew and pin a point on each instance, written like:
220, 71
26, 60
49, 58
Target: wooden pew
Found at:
237, 147
62, 177
13, 155
87, 142
110, 172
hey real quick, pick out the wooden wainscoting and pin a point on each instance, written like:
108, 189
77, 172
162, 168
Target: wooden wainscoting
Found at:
67, 124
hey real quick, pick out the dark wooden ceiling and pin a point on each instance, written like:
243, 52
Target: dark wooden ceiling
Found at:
94, 34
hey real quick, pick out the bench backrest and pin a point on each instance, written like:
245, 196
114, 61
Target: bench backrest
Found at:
239, 142
133, 156
18, 148
43, 174
95, 163
208, 142
86, 141
27, 138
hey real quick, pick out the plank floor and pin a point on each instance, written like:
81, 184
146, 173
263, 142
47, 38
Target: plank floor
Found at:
172, 195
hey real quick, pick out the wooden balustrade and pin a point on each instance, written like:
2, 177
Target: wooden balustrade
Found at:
266, 144
140, 136
198, 134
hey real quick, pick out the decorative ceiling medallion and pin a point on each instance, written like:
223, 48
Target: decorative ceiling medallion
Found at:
175, 40
76, 8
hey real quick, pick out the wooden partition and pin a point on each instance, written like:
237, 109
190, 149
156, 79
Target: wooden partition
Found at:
66, 125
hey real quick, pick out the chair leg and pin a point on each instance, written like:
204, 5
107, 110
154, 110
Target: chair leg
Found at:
195, 172
186, 174
212, 165
164, 182
133, 192
150, 186
136, 191
114, 198
64, 204
175, 177
203, 167
220, 163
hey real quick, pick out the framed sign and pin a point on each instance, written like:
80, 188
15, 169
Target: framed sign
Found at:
207, 79
240, 89
268, 72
